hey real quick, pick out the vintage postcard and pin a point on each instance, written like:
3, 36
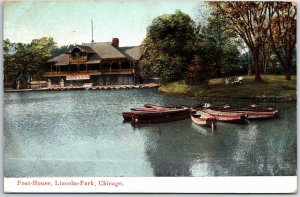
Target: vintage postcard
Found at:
160, 96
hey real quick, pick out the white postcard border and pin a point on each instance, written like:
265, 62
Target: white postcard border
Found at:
251, 184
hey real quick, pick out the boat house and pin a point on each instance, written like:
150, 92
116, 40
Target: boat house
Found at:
102, 63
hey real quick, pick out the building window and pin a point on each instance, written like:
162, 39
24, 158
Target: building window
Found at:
76, 52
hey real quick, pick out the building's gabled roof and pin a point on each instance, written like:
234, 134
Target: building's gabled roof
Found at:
101, 51
94, 59
83, 48
134, 52
106, 50
60, 60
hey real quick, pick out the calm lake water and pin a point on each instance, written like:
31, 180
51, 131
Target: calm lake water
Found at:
81, 133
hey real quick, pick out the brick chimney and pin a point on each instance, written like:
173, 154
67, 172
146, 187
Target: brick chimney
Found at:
115, 42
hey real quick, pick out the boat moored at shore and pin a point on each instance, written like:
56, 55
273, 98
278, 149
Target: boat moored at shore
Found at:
226, 116
204, 115
252, 111
156, 115
204, 119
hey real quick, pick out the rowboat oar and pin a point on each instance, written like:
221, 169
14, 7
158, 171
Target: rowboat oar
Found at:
247, 120
212, 126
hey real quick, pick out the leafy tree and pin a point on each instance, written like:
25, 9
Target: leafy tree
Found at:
231, 61
250, 21
196, 72
27, 59
268, 58
217, 45
10, 68
168, 47
282, 30
7, 46
60, 50
35, 55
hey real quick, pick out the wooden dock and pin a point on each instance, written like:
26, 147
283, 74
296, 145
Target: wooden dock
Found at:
106, 87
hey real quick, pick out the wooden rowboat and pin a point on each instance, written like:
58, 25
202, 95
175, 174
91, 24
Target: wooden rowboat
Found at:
251, 111
155, 106
152, 106
226, 116
136, 120
149, 109
147, 117
204, 119
258, 114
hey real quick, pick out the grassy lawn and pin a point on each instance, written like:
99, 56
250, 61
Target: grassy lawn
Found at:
271, 87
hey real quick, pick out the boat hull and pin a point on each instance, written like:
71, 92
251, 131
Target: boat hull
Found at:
148, 117
251, 111
226, 116
149, 109
159, 119
204, 120
260, 115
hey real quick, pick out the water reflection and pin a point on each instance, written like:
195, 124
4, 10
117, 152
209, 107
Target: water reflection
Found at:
204, 130
217, 159
168, 155
81, 133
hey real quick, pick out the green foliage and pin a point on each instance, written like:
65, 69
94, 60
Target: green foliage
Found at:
179, 87
230, 61
218, 45
61, 50
196, 73
282, 32
274, 86
6, 46
9, 67
168, 47
43, 46
27, 58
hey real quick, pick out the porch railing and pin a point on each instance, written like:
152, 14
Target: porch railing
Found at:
90, 72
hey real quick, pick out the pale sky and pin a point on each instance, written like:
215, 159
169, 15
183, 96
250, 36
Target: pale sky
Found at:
69, 22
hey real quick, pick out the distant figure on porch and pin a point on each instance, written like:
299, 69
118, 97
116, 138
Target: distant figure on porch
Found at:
62, 83
49, 84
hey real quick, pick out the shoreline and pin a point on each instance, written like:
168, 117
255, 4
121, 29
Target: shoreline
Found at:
152, 85
252, 98
66, 88
273, 88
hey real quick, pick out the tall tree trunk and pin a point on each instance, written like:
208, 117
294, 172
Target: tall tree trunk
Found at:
265, 59
250, 61
273, 67
255, 55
